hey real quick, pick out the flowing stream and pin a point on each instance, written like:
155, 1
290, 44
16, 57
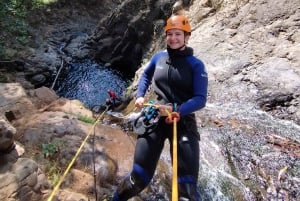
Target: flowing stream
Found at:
246, 164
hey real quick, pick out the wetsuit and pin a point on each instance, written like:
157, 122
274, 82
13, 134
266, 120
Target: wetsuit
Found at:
177, 77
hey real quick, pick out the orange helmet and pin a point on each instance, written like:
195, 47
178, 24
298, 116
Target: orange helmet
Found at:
178, 22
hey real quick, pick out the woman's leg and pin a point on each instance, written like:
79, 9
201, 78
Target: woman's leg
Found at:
188, 160
147, 152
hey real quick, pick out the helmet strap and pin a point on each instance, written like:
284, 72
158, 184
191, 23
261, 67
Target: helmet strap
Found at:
180, 48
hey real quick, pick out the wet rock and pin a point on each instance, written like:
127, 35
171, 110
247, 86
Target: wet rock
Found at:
38, 80
7, 132
12, 65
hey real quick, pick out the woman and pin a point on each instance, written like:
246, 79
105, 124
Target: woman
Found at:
180, 83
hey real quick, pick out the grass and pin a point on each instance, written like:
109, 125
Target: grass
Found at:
53, 171
86, 119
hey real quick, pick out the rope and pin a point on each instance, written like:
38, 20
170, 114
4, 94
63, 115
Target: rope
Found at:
94, 166
75, 157
171, 119
175, 166
151, 104
61, 66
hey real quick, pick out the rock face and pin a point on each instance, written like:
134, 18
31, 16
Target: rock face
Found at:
249, 129
124, 36
7, 133
23, 180
250, 54
244, 48
50, 130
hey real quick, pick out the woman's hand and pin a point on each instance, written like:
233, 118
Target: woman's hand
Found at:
139, 102
165, 110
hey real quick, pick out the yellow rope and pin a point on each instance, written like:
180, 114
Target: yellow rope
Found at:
74, 158
175, 157
175, 166
174, 163
150, 104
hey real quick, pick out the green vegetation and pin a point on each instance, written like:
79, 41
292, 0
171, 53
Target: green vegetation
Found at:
85, 119
53, 171
50, 149
13, 24
51, 152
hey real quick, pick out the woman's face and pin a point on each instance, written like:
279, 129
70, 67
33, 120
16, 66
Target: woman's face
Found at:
176, 39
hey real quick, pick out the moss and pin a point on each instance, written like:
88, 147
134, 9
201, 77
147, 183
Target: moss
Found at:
85, 119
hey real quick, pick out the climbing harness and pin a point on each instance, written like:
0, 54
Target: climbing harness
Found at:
56, 187
147, 121
171, 116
